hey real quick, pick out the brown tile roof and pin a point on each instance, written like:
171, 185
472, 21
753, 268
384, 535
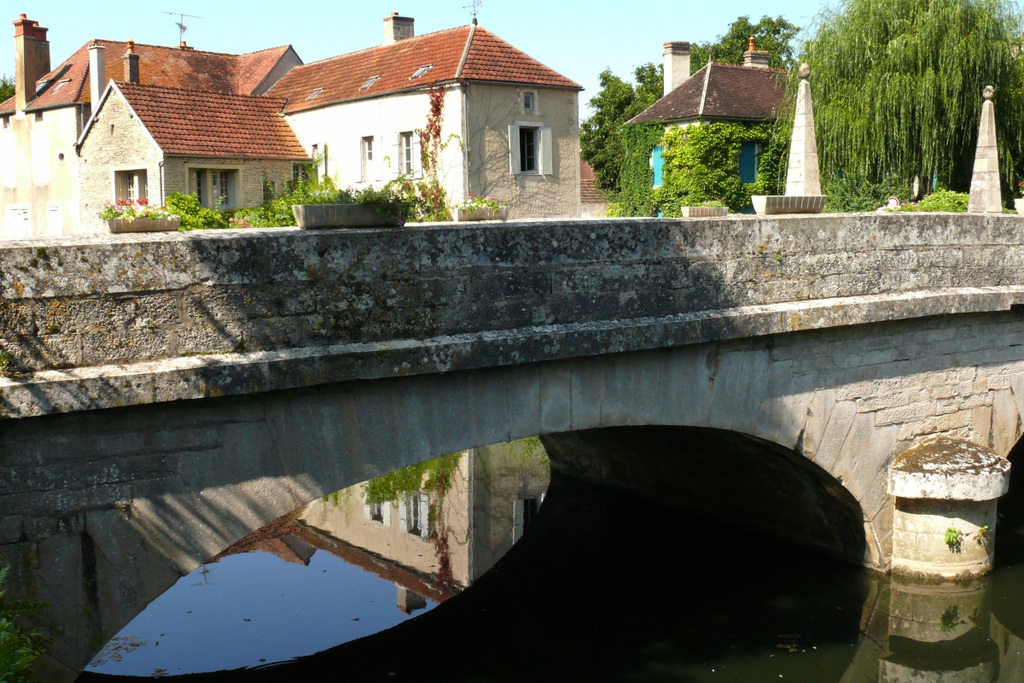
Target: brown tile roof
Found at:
588, 185
721, 91
342, 78
158, 65
192, 122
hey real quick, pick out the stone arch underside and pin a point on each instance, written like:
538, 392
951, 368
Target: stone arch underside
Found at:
176, 483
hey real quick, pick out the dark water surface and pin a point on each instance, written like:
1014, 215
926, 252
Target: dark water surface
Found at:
602, 587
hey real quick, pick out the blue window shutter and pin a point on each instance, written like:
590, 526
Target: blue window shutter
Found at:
657, 163
748, 162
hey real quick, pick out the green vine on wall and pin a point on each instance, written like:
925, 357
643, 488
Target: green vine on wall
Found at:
432, 475
636, 177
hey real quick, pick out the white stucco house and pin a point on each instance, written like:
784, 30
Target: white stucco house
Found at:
118, 120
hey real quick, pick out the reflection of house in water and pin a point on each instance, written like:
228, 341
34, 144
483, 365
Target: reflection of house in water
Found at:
432, 528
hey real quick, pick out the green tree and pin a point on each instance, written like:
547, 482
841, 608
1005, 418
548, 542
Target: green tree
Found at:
897, 89
6, 88
601, 142
772, 35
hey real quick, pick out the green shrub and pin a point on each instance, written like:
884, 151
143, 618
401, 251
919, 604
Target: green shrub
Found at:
945, 200
850, 193
18, 647
193, 215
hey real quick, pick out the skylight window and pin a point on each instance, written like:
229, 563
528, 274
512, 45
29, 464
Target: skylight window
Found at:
315, 94
422, 70
61, 84
373, 79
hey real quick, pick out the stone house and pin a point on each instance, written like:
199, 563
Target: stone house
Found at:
750, 92
184, 120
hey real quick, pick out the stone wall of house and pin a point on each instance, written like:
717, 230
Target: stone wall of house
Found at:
491, 110
117, 141
251, 175
38, 174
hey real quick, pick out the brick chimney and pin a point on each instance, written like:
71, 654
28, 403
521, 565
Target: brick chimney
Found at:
677, 65
755, 59
131, 64
397, 28
97, 74
31, 59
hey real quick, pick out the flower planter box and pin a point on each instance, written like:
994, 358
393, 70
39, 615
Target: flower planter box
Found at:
776, 204
483, 213
704, 211
160, 224
1018, 205
346, 215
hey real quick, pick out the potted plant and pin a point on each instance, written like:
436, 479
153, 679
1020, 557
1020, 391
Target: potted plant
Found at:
478, 208
712, 207
364, 208
128, 215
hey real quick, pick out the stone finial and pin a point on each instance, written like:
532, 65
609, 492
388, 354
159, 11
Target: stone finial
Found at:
986, 196
804, 71
802, 177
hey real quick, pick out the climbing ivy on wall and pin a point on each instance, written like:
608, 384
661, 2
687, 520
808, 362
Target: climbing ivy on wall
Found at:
636, 177
701, 164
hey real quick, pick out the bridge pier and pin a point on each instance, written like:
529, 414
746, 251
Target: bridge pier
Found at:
945, 492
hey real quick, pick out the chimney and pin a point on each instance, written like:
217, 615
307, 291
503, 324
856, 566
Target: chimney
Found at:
31, 59
131, 64
397, 28
184, 46
677, 65
755, 59
97, 74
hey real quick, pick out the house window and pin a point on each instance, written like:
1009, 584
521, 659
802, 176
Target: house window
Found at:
215, 187
420, 72
39, 116
131, 185
530, 149
414, 514
524, 513
366, 154
529, 102
315, 94
406, 150
379, 512
6, 120
299, 172
370, 82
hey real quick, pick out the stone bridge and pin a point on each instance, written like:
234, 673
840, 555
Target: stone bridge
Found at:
172, 393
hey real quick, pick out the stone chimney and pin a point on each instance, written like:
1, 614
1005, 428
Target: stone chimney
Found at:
677, 65
755, 59
97, 74
31, 59
131, 64
397, 28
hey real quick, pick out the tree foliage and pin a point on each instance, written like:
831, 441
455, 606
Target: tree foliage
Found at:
897, 88
6, 88
601, 141
772, 35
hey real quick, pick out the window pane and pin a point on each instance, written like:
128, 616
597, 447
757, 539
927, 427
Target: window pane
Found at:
528, 150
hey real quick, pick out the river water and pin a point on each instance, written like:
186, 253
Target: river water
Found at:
478, 568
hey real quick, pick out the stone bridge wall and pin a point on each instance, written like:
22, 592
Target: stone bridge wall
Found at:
120, 320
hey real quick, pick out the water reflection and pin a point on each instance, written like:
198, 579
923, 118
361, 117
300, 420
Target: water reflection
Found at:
410, 539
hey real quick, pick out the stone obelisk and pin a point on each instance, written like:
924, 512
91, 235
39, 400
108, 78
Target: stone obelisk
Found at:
985, 192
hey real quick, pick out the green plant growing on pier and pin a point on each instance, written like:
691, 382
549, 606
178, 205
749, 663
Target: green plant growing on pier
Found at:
984, 534
954, 538
18, 647
5, 365
950, 619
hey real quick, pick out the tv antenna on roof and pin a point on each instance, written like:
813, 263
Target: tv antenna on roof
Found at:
475, 7
181, 23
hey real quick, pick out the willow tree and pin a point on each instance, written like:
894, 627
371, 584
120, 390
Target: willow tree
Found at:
897, 88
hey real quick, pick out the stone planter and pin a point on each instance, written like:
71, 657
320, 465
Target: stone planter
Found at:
162, 224
483, 213
776, 204
1018, 205
346, 215
704, 211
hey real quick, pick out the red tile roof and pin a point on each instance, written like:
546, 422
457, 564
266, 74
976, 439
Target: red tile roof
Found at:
158, 65
588, 185
342, 78
191, 122
721, 91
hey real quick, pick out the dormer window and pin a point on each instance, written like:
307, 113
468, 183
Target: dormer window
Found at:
315, 94
373, 79
421, 71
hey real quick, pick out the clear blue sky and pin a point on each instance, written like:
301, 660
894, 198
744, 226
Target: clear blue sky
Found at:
577, 39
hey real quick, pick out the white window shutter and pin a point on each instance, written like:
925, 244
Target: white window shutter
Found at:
378, 142
385, 509
417, 159
424, 503
547, 165
403, 518
395, 158
513, 149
